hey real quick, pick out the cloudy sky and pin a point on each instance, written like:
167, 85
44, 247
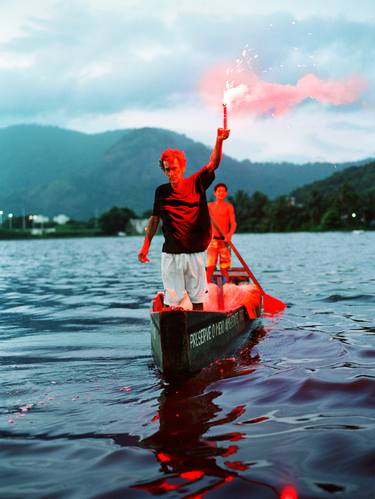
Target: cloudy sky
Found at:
96, 65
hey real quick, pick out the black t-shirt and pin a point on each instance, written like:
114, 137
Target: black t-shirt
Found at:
184, 213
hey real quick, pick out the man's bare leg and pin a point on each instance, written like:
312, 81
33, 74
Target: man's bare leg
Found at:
225, 274
209, 272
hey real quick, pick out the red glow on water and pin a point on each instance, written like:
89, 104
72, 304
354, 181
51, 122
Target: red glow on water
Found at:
156, 417
237, 411
202, 493
236, 465
192, 475
158, 487
165, 486
236, 436
261, 419
232, 449
163, 458
289, 492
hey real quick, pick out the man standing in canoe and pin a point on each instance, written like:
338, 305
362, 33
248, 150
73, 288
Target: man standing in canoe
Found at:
223, 227
181, 204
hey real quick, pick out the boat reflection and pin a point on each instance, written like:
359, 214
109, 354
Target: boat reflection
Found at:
191, 462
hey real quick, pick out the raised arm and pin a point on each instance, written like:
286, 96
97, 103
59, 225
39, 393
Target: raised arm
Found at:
151, 229
222, 134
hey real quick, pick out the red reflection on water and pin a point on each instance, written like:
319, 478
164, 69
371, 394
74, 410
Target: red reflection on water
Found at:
261, 419
163, 458
192, 475
156, 417
185, 445
168, 486
210, 488
232, 415
232, 449
158, 487
236, 465
289, 492
236, 436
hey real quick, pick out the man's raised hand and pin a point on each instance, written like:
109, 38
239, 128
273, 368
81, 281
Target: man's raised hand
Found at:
222, 133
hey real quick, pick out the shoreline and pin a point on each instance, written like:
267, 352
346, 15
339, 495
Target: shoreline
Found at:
66, 235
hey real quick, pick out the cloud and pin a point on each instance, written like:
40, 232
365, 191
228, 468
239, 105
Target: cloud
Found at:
69, 61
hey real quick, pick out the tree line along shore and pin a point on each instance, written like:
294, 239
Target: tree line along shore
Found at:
343, 210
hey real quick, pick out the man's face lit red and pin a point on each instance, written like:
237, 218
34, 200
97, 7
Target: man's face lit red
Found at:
220, 193
174, 171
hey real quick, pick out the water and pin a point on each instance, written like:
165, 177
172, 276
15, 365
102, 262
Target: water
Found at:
85, 414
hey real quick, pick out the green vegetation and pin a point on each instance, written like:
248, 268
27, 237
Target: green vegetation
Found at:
346, 211
344, 201
50, 170
116, 220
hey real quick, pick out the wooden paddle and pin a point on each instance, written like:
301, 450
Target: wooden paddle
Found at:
271, 305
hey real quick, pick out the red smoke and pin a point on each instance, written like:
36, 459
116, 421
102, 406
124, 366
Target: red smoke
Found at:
247, 93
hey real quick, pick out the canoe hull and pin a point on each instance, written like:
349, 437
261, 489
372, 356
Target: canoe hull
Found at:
183, 342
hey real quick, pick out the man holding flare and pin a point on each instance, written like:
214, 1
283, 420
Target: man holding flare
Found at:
181, 204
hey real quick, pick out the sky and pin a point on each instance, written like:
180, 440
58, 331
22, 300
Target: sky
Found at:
97, 65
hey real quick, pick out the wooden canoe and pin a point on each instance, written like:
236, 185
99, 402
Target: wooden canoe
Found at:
185, 341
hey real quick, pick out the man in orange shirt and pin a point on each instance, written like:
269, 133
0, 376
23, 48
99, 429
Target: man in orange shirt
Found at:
222, 214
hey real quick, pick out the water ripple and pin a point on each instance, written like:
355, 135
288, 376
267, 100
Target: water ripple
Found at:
85, 413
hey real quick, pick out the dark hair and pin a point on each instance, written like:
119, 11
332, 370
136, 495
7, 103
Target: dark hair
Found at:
172, 154
220, 185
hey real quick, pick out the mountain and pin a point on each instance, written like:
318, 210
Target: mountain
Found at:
360, 179
51, 170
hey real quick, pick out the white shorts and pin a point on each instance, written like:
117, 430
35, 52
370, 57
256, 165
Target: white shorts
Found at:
184, 271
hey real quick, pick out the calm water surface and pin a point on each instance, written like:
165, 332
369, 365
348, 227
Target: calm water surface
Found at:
85, 414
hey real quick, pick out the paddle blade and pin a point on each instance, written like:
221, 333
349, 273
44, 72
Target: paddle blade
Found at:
272, 305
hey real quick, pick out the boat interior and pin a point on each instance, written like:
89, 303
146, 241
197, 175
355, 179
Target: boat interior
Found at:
223, 296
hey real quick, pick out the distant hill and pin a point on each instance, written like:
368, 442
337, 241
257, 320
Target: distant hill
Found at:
360, 179
50, 170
